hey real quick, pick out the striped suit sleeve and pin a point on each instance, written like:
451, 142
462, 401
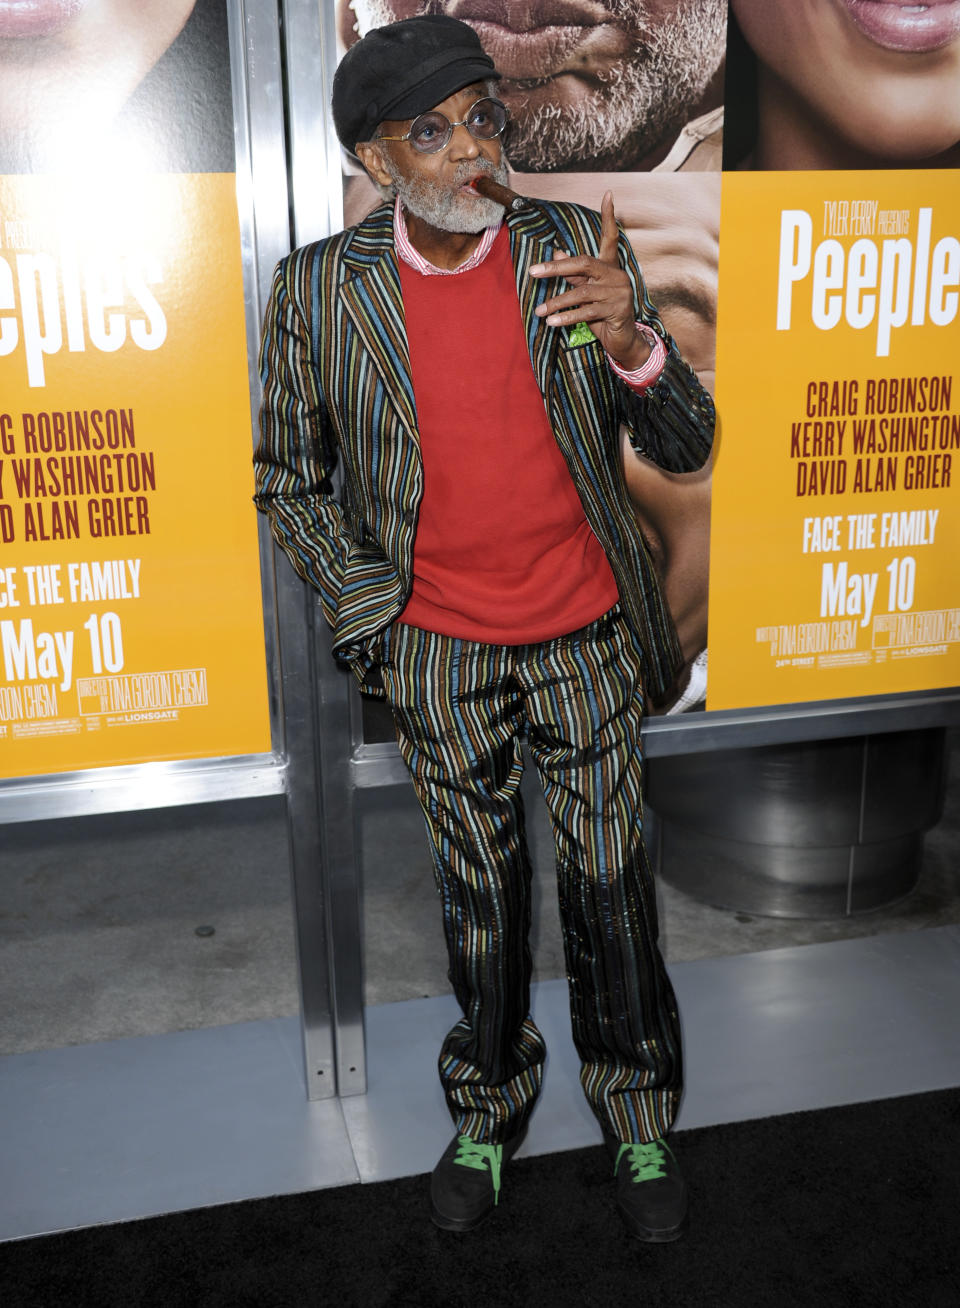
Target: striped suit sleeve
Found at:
673, 422
296, 454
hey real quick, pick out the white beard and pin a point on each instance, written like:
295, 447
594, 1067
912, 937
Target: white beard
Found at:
444, 208
644, 103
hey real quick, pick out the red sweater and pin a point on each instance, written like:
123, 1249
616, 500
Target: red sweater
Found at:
503, 551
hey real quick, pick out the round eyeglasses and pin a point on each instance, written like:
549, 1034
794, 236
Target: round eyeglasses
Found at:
432, 131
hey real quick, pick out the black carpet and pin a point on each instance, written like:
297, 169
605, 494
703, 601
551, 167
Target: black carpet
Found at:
857, 1207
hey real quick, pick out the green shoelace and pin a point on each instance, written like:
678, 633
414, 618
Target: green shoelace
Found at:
646, 1161
481, 1157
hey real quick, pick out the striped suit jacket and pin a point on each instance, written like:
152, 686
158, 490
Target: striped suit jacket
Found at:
337, 389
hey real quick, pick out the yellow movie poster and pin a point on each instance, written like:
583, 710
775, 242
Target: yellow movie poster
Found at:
130, 609
836, 501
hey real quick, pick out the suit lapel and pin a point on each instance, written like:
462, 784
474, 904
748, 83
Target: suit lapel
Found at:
373, 300
532, 240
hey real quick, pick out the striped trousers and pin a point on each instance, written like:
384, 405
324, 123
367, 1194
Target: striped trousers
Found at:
462, 709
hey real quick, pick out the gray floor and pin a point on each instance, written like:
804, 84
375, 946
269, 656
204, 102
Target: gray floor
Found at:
130, 1128
151, 1067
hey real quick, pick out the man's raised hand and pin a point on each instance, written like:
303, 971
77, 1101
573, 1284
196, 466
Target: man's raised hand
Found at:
600, 294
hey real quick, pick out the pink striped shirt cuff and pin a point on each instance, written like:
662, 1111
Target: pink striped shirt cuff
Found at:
642, 378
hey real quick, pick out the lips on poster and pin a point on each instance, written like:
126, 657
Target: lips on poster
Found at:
824, 84
130, 612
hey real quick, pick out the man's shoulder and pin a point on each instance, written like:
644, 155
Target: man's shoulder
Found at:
574, 222
698, 148
570, 211
362, 242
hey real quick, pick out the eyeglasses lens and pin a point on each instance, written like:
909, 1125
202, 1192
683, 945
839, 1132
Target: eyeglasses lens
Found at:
431, 132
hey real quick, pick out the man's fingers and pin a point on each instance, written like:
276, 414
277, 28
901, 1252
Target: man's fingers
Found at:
579, 264
572, 299
581, 301
574, 265
599, 290
609, 232
560, 256
585, 265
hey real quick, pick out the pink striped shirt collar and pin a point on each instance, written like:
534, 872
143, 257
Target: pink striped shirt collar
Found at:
421, 265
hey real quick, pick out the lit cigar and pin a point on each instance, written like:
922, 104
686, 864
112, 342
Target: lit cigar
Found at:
500, 194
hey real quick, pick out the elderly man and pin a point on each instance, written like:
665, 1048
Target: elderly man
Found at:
471, 371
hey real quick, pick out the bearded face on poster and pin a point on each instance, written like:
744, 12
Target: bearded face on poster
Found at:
625, 95
592, 85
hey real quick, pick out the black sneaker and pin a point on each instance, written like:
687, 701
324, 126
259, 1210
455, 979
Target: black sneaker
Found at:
651, 1193
465, 1184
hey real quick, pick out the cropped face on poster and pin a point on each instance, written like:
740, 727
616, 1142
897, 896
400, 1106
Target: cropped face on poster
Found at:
115, 84
821, 84
130, 611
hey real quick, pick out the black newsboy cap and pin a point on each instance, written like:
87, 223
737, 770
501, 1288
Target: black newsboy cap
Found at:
403, 69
